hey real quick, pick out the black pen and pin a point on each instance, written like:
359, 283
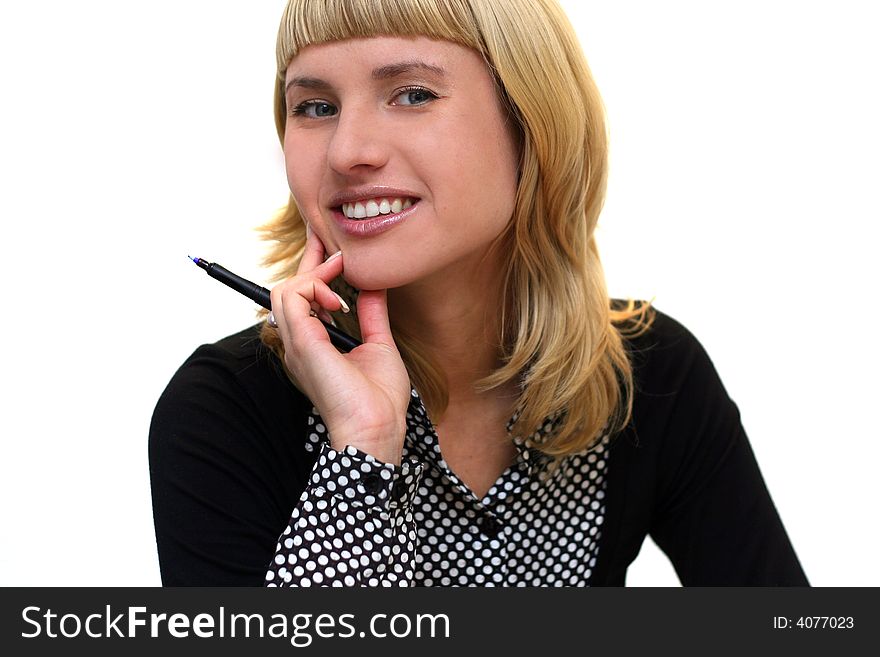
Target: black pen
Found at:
342, 341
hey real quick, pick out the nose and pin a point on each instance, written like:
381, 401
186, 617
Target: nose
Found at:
358, 143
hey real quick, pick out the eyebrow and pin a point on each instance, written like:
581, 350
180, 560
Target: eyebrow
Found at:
393, 70
385, 72
306, 82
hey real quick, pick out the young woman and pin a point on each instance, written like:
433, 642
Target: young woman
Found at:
504, 422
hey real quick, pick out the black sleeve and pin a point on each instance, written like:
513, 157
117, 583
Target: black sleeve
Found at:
713, 514
225, 468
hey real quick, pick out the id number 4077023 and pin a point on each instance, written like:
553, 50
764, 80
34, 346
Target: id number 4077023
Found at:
813, 623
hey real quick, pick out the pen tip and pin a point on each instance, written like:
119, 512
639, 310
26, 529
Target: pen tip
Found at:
201, 262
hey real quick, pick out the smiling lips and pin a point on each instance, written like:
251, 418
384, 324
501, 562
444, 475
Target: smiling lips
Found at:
373, 207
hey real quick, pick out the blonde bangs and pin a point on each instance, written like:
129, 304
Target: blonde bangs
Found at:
307, 22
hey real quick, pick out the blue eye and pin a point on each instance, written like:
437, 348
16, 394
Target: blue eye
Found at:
314, 109
415, 96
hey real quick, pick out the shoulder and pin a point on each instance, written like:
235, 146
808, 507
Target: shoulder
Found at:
651, 328
663, 352
237, 375
237, 353
241, 357
679, 399
680, 405
231, 408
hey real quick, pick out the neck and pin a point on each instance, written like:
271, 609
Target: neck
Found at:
456, 317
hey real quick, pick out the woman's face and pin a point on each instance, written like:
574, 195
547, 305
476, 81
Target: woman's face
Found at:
399, 153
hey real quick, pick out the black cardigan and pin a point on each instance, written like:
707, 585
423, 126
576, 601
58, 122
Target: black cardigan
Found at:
228, 464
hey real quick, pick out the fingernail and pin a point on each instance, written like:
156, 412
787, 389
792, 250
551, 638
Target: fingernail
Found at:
335, 255
308, 230
344, 305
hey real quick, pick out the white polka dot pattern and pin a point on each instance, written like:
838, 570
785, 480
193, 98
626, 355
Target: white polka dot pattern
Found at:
361, 522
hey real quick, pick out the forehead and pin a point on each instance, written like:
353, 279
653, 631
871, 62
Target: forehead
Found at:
367, 56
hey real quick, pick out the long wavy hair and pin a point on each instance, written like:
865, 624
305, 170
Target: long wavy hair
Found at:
561, 337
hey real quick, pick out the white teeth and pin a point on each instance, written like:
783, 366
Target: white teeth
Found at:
375, 207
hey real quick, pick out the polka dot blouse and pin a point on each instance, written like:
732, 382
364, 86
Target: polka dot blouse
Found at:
362, 522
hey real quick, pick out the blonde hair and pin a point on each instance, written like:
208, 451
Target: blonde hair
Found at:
560, 338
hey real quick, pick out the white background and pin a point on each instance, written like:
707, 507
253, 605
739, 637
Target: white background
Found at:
743, 200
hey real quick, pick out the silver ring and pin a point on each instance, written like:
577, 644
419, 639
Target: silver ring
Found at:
270, 320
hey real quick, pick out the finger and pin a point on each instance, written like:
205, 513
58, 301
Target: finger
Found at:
304, 294
304, 337
326, 271
277, 315
318, 311
324, 316
298, 297
329, 269
312, 289
372, 308
314, 251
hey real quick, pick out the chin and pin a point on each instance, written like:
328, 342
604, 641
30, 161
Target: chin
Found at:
373, 279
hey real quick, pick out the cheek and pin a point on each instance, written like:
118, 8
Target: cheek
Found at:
303, 168
483, 167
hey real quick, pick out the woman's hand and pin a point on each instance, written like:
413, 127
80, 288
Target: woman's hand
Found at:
362, 396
